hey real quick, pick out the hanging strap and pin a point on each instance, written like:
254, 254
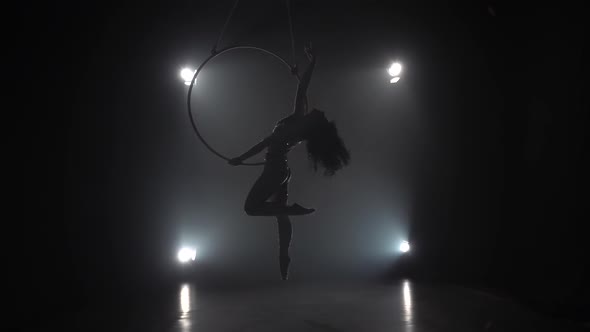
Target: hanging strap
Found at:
293, 60
231, 13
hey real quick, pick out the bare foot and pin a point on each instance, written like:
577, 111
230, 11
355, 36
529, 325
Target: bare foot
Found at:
298, 210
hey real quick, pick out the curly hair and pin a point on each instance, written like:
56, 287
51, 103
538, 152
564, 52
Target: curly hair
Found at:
325, 148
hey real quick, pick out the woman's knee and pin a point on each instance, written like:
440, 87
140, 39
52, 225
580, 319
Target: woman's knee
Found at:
254, 207
250, 208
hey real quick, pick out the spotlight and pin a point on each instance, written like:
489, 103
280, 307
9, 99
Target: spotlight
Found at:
405, 246
187, 75
395, 70
186, 255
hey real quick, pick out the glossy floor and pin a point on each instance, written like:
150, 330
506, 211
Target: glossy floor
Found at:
402, 306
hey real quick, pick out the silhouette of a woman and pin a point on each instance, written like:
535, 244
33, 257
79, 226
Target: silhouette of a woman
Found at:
268, 196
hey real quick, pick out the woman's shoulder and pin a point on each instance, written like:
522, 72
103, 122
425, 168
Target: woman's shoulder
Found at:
289, 119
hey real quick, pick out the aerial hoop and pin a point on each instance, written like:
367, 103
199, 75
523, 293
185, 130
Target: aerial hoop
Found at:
215, 53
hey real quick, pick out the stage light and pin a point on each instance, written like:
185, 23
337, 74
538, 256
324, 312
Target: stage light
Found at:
187, 75
186, 255
395, 69
404, 246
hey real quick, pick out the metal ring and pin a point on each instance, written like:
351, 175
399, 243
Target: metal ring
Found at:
190, 89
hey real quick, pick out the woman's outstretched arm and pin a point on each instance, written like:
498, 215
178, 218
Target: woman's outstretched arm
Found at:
300, 98
256, 149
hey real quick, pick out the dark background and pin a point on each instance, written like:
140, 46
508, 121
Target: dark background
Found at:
478, 155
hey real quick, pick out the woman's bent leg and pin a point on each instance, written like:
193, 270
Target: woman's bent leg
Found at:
268, 183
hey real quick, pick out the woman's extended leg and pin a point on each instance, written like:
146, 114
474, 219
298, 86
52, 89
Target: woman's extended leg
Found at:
285, 235
285, 228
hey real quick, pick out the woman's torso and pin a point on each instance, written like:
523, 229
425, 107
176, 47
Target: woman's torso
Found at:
286, 135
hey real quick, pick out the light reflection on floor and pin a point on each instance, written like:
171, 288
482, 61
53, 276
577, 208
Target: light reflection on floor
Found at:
367, 307
408, 315
185, 308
